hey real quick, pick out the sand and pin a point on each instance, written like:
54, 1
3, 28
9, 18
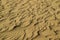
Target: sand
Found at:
29, 19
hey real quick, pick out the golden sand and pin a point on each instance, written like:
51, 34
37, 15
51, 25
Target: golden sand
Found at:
29, 19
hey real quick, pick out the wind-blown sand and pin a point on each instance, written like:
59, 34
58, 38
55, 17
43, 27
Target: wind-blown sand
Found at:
29, 19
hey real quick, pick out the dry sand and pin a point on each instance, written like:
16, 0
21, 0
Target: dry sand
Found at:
29, 19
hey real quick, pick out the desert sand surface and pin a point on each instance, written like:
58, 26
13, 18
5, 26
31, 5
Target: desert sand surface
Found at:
29, 19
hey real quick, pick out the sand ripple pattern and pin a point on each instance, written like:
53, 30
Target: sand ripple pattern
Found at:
29, 19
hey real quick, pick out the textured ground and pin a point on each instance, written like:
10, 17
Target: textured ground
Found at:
29, 19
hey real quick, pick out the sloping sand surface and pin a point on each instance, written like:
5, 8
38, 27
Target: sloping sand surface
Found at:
29, 19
